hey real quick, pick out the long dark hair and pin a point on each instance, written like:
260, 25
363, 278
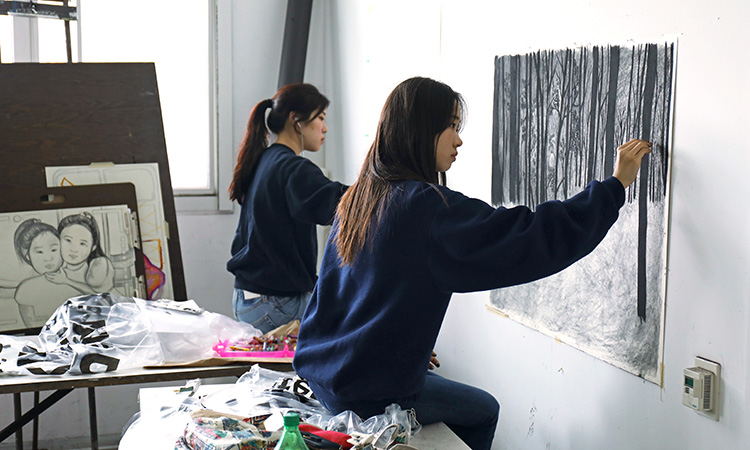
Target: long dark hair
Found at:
86, 220
414, 115
26, 232
301, 98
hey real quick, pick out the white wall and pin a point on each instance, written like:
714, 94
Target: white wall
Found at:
553, 396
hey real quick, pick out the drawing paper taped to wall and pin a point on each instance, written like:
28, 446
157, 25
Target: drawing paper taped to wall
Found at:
49, 256
559, 116
151, 219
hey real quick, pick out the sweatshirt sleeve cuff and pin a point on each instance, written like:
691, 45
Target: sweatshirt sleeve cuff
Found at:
618, 191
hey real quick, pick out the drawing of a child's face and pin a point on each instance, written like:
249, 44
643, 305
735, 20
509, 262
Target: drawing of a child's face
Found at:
44, 253
77, 243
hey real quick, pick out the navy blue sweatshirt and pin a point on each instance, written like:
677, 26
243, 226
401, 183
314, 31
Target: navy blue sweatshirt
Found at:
370, 327
275, 249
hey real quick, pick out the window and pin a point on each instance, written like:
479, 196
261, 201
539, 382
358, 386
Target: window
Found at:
180, 38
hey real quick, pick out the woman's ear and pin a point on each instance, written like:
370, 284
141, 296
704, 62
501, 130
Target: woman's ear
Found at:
295, 121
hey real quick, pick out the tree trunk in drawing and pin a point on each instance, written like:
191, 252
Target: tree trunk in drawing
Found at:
497, 132
593, 113
648, 100
567, 152
562, 112
531, 135
667, 93
540, 105
513, 132
609, 131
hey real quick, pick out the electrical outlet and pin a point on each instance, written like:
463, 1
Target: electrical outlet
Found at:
701, 387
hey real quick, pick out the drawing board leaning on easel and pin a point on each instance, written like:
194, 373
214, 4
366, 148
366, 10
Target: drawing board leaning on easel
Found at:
79, 124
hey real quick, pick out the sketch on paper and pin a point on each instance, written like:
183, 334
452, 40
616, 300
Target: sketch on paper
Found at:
151, 219
52, 255
559, 116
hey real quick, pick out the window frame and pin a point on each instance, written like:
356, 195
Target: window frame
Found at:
221, 153
214, 199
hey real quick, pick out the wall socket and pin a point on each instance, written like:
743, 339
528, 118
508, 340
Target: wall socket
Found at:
702, 387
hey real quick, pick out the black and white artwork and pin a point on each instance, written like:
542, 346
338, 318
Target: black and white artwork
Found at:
153, 224
49, 256
559, 116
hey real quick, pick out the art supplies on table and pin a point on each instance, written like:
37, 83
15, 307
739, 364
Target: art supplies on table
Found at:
258, 347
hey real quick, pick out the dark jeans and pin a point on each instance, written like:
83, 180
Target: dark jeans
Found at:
469, 412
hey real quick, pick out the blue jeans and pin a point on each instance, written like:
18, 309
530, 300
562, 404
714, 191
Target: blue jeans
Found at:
469, 412
268, 312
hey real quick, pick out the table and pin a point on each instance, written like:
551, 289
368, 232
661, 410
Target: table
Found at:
64, 384
437, 436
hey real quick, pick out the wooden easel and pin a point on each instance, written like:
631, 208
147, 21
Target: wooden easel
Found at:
76, 114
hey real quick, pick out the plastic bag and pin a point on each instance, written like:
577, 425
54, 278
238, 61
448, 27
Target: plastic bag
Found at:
259, 393
264, 391
87, 334
187, 336
104, 332
209, 430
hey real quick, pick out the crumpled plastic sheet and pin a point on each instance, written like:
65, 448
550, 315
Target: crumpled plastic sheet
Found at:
86, 334
104, 332
264, 391
259, 392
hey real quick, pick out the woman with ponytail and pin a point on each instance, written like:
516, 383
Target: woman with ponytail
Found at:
402, 243
283, 196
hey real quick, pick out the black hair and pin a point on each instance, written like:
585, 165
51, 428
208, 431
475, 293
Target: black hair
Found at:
26, 232
300, 98
413, 117
88, 221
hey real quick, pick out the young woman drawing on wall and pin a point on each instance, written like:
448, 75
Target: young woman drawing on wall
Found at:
283, 196
402, 244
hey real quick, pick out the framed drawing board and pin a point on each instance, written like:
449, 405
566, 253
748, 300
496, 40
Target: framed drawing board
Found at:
58, 243
154, 241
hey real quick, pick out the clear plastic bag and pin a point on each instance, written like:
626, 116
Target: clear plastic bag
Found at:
264, 391
88, 334
188, 336
105, 332
260, 392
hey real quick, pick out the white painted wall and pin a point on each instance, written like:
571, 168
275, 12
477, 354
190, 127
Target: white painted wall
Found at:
553, 397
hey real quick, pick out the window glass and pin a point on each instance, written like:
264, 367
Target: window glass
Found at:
175, 36
52, 43
6, 39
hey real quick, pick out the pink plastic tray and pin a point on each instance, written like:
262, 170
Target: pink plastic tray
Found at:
223, 349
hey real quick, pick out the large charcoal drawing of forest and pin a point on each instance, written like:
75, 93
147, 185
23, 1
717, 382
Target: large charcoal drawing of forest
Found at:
559, 116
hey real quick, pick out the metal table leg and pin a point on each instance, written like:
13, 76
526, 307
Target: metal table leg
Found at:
22, 420
92, 420
19, 431
35, 428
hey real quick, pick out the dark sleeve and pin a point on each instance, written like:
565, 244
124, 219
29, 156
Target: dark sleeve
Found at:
311, 196
477, 247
